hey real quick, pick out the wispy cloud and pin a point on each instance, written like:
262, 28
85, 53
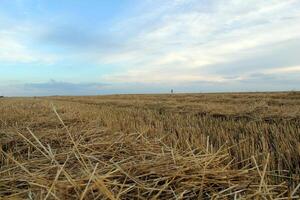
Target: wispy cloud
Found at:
293, 69
190, 37
169, 43
15, 46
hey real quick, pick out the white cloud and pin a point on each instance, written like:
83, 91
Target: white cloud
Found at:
15, 47
165, 41
11, 50
283, 70
185, 38
166, 76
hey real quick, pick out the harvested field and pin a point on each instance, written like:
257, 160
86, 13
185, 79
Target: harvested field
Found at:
181, 146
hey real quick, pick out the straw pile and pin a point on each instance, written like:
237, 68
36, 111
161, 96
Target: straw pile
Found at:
99, 164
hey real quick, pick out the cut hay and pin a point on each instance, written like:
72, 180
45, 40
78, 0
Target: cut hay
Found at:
82, 160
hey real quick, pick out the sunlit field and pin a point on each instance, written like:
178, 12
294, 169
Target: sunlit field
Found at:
176, 146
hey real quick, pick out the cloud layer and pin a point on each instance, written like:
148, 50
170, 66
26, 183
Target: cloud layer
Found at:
185, 44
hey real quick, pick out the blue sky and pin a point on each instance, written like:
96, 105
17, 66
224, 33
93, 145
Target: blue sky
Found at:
76, 47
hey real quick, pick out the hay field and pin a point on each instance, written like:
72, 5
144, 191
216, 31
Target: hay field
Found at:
181, 146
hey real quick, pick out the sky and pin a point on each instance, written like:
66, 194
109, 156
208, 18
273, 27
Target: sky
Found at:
91, 47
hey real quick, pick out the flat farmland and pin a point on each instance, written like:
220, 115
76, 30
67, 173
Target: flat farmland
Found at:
160, 146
